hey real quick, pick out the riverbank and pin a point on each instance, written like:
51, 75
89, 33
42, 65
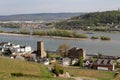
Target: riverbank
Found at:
13, 34
53, 37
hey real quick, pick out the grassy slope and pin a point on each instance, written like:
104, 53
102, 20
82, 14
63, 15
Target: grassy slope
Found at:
99, 75
117, 77
31, 71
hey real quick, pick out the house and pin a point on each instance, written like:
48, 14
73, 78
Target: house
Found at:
33, 57
66, 61
88, 63
76, 53
23, 49
103, 64
74, 61
46, 62
4, 46
52, 60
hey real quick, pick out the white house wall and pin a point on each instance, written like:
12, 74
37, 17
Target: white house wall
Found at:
102, 68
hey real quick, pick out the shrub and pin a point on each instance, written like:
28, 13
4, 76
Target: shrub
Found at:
1, 31
94, 37
38, 32
17, 74
104, 38
24, 32
57, 69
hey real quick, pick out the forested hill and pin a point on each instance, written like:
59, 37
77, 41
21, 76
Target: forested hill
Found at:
92, 19
39, 16
101, 17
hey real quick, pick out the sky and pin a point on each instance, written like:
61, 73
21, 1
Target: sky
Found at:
9, 7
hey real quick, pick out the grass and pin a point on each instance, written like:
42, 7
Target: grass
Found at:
35, 71
54, 55
30, 70
31, 78
97, 74
117, 76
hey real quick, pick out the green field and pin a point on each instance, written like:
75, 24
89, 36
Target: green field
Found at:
29, 70
35, 71
88, 73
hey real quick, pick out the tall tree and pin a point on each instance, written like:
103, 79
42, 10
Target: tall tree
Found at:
63, 49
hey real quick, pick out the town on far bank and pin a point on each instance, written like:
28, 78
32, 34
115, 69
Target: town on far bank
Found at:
64, 56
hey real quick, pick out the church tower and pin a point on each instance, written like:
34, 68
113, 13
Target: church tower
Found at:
40, 49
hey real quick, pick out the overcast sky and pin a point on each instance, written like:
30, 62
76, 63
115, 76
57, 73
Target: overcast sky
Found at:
8, 7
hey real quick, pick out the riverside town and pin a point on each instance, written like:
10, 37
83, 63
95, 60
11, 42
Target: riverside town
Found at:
60, 40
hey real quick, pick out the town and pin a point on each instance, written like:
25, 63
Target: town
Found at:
59, 40
70, 58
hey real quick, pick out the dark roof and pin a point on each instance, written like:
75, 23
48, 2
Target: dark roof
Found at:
2, 43
75, 50
22, 46
103, 62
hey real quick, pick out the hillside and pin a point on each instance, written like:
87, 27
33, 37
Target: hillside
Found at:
39, 16
91, 19
101, 17
30, 70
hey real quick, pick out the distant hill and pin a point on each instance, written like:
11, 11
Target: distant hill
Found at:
91, 19
39, 16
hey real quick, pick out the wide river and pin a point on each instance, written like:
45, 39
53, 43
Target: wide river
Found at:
111, 47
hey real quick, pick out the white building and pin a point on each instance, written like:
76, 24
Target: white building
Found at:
14, 48
66, 61
23, 49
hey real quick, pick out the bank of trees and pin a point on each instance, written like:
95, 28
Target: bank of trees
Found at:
107, 18
11, 25
101, 37
61, 33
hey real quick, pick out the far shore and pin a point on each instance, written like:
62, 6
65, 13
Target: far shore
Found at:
13, 34
54, 37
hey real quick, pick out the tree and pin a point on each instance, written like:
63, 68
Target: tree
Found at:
99, 55
48, 55
80, 62
63, 49
7, 53
57, 69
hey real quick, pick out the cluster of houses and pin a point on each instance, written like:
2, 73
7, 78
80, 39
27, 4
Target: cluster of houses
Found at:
100, 63
16, 51
14, 48
26, 52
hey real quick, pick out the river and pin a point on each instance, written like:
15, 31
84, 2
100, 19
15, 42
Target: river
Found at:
111, 47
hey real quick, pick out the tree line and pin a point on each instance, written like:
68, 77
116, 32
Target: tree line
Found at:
107, 18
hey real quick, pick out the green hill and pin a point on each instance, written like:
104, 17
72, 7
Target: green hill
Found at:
107, 18
25, 70
101, 17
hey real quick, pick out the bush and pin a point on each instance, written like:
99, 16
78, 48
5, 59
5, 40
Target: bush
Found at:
1, 31
17, 74
38, 32
24, 32
94, 37
57, 69
104, 38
